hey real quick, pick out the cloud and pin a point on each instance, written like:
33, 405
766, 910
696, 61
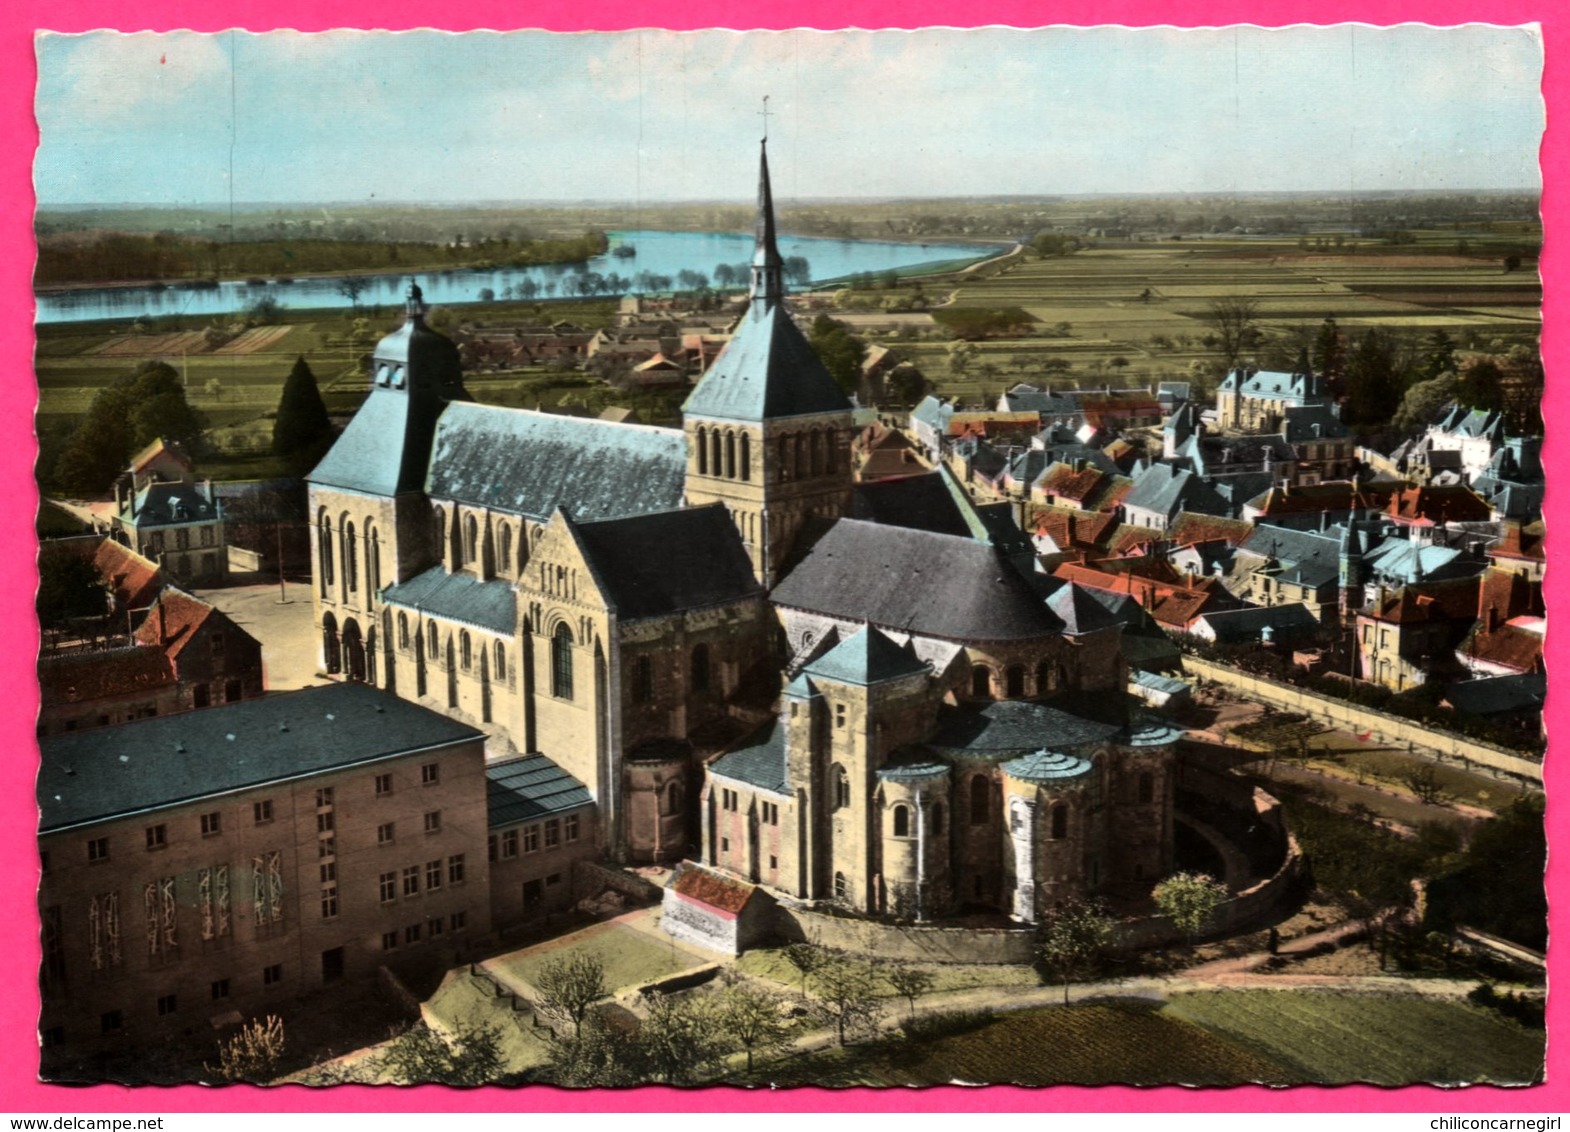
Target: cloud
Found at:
110, 77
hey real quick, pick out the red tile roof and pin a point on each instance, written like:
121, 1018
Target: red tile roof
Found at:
1334, 495
1192, 527
1436, 504
134, 580
1454, 599
154, 450
1173, 599
174, 621
1520, 542
718, 892
85, 676
1508, 646
1082, 529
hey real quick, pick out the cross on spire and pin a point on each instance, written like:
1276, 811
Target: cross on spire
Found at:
765, 115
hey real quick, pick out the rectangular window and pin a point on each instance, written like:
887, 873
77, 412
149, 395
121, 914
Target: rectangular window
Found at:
774, 863
324, 822
553, 879
552, 833
384, 833
724, 845
491, 847
383, 785
389, 887
110, 1022
459, 921
326, 846
433, 821
324, 798
570, 824
430, 774
434, 927
771, 813
531, 839
455, 869
157, 837
220, 989
97, 850
389, 941
263, 811
272, 976
510, 842
411, 934
433, 874
167, 1004
411, 880
328, 871
329, 901
212, 824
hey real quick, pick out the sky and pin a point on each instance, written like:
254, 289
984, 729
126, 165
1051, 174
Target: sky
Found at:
285, 117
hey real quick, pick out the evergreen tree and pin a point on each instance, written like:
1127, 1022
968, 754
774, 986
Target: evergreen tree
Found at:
1375, 381
1329, 355
301, 424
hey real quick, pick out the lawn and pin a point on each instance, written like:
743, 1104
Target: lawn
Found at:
466, 1002
770, 963
629, 957
1333, 1038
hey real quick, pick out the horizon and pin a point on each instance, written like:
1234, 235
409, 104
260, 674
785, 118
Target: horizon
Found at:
188, 120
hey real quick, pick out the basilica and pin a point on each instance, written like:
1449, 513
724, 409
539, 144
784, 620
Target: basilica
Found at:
857, 694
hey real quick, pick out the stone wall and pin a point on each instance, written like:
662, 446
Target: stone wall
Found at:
916, 943
1385, 728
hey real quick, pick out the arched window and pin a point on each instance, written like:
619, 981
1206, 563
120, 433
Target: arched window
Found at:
980, 800
430, 634
403, 630
746, 457
841, 788
700, 668
324, 550
937, 819
1147, 787
815, 439
714, 453
501, 661
1043, 678
439, 527
373, 562
464, 649
1016, 682
351, 561
901, 821
471, 540
670, 798
504, 560
561, 663
703, 451
730, 455
643, 681
981, 682
784, 458
1059, 822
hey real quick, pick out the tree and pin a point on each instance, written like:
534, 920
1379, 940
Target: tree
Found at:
910, 982
798, 272
905, 384
570, 986
302, 424
1375, 379
1073, 939
806, 958
252, 1054
1424, 400
753, 1019
961, 354
132, 412
471, 1057
1440, 356
598, 1056
264, 312
1329, 353
1481, 385
848, 989
1189, 900
352, 287
1233, 319
681, 1038
69, 589
1424, 782
840, 351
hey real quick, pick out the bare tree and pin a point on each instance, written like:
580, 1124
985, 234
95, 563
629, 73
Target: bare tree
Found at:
910, 982
806, 958
848, 988
570, 986
253, 1053
1424, 782
352, 287
1073, 940
753, 1019
1233, 317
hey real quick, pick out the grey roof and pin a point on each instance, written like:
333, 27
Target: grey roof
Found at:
869, 657
1300, 422
110, 772
1307, 558
1161, 487
653, 565
1029, 399
1150, 730
766, 371
528, 788
761, 763
1275, 385
1494, 694
913, 766
922, 502
1067, 452
531, 463
1047, 766
160, 504
1015, 726
489, 605
1247, 624
916, 582
1079, 611
933, 413
1155, 681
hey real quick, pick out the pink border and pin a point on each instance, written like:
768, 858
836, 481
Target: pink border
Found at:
19, 1092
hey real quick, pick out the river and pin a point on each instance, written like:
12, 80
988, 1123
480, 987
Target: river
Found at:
658, 253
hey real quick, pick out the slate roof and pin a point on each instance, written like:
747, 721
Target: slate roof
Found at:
163, 504
1079, 611
1274, 385
1029, 399
760, 763
528, 788
654, 565
1015, 725
869, 657
1231, 625
912, 766
767, 370
1161, 487
367, 456
921, 502
111, 772
1403, 560
915, 582
1047, 766
1496, 694
1300, 422
530, 463
491, 605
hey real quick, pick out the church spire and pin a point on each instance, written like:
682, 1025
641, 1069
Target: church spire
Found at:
768, 269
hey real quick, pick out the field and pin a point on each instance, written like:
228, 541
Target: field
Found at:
1275, 1037
1341, 1038
630, 957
